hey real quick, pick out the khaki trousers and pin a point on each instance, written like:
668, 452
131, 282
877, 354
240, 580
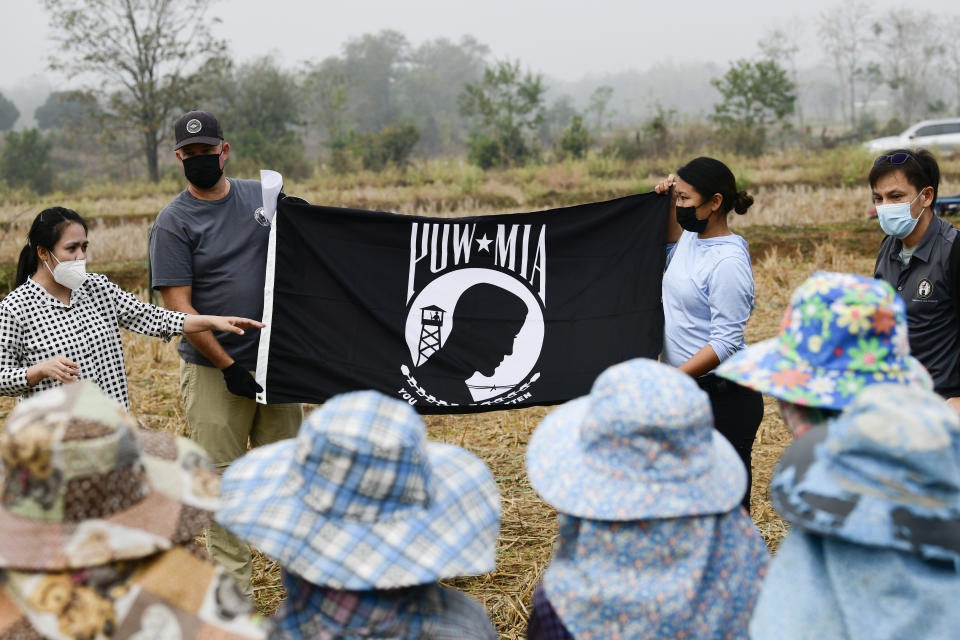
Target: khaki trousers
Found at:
223, 423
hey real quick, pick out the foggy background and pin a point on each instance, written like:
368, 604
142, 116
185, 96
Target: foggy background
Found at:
377, 82
648, 52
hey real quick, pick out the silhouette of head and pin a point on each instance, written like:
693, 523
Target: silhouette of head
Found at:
486, 321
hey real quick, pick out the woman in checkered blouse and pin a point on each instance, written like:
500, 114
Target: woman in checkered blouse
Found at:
60, 324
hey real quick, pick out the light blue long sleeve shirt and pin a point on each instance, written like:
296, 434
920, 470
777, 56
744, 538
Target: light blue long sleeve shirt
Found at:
707, 296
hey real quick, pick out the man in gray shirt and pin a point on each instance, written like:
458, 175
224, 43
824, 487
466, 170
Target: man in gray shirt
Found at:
919, 259
208, 255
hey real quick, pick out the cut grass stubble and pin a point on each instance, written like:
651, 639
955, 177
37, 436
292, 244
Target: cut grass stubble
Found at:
528, 525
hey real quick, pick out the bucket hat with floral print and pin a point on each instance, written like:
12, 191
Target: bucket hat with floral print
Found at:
644, 579
82, 485
840, 334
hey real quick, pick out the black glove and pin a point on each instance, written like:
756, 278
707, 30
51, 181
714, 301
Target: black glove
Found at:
240, 382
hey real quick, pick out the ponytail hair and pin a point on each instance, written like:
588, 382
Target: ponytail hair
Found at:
709, 176
46, 230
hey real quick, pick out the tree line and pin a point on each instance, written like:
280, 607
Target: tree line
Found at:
382, 99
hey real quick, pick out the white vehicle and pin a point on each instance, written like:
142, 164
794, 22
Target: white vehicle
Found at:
939, 135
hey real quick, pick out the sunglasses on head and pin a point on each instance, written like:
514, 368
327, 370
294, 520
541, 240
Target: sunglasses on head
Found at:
896, 158
900, 158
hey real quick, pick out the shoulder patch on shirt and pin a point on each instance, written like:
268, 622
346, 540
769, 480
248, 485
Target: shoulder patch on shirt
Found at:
924, 288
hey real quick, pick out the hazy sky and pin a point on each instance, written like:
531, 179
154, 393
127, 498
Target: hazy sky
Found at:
561, 38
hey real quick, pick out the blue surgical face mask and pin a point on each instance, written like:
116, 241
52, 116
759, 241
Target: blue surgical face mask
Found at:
895, 219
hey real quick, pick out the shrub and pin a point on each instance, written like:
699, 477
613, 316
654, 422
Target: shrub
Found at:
744, 139
506, 107
253, 149
392, 145
755, 95
575, 139
654, 138
485, 151
25, 160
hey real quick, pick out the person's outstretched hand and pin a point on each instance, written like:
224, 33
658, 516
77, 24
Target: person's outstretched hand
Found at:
229, 324
233, 324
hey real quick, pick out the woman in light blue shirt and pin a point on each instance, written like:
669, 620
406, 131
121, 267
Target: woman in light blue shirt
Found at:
708, 293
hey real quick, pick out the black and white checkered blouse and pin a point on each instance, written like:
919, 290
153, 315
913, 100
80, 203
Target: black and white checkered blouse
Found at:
35, 326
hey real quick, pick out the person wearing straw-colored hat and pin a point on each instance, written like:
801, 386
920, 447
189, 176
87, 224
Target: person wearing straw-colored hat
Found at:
653, 541
874, 507
97, 526
840, 334
364, 516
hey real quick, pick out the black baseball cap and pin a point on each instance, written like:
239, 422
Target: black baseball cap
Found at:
197, 127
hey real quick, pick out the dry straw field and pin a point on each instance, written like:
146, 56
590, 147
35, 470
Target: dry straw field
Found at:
810, 214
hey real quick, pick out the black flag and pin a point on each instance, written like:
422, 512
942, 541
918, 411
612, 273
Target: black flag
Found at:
457, 315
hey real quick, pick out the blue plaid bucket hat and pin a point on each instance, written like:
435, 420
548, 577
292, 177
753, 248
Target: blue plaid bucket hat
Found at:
640, 445
312, 612
840, 334
360, 500
885, 473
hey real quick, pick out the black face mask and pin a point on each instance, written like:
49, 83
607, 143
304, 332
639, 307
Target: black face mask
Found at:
203, 171
687, 217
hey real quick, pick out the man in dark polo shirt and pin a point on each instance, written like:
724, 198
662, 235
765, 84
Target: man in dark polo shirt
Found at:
208, 252
917, 259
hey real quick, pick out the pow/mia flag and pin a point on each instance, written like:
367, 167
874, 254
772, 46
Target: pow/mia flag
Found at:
457, 315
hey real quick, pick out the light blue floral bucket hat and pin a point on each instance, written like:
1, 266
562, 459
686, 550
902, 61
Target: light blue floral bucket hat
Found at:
885, 473
640, 445
691, 577
840, 334
361, 500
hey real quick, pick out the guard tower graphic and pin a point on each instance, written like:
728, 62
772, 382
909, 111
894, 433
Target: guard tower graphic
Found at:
431, 319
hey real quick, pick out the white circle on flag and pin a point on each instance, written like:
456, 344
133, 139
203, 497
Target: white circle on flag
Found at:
445, 291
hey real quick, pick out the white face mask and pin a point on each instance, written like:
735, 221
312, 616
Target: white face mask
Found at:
71, 274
